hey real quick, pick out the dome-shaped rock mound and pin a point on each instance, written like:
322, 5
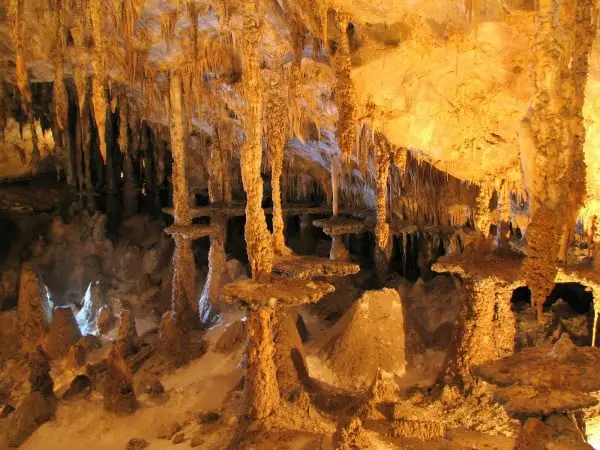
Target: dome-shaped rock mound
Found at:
368, 337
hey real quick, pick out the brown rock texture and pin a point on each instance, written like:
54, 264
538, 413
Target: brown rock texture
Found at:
484, 330
261, 387
290, 359
173, 339
258, 241
62, 334
31, 308
119, 396
366, 329
232, 338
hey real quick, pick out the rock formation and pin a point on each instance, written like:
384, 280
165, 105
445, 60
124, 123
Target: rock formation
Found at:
119, 396
62, 333
32, 308
172, 162
364, 330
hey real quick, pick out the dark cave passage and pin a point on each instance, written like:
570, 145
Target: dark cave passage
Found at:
575, 294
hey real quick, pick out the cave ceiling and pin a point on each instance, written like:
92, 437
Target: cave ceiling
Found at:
442, 78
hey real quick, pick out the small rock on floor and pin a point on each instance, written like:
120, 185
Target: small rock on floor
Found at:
178, 438
168, 430
137, 444
196, 441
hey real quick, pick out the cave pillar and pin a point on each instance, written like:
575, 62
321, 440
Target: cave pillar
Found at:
262, 390
338, 251
217, 257
184, 270
344, 96
503, 229
383, 237
276, 114
484, 330
552, 136
258, 239
482, 215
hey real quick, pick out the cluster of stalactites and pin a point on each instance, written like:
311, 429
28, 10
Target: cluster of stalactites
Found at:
422, 194
555, 171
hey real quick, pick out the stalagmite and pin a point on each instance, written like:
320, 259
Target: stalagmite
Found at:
258, 240
482, 214
276, 112
384, 243
485, 329
261, 380
183, 258
217, 258
32, 308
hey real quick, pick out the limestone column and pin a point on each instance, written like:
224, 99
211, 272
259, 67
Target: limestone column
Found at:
503, 229
276, 125
484, 330
262, 390
338, 251
383, 238
258, 239
217, 258
551, 137
183, 289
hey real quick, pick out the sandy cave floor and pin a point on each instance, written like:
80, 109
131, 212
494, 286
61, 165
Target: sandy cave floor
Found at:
205, 385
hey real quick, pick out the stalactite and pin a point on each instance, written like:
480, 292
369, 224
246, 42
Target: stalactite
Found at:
217, 258
295, 91
130, 193
258, 241
15, 10
482, 214
585, 33
35, 151
276, 114
344, 92
99, 102
552, 153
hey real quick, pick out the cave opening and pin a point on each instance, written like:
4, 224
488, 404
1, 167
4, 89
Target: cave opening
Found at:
579, 297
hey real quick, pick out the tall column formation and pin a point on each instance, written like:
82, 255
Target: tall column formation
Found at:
383, 240
338, 251
217, 257
551, 137
183, 258
585, 33
344, 91
258, 239
276, 137
262, 390
503, 229
485, 328
482, 213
